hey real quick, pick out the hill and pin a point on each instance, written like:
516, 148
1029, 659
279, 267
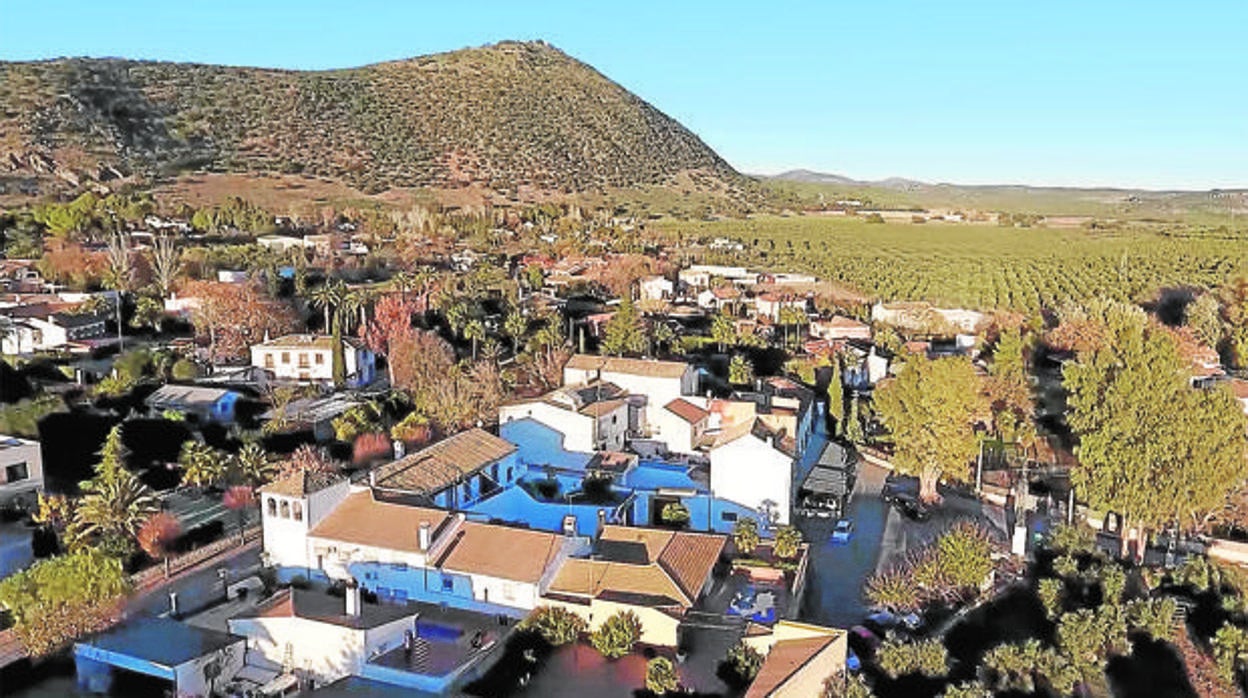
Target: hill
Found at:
505, 116
809, 188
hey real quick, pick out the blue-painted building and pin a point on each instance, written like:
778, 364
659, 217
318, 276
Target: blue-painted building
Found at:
453, 473
554, 488
204, 404
193, 660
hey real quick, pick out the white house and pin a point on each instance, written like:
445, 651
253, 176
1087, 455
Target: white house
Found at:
770, 305
591, 417
309, 358
21, 472
680, 424
324, 637
799, 659
700, 275
840, 328
404, 552
659, 381
753, 465
923, 317
656, 288
40, 327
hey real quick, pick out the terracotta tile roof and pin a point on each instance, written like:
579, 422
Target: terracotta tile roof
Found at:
636, 367
308, 341
362, 520
786, 658
597, 409
595, 578
689, 559
516, 554
445, 463
686, 410
302, 483
676, 566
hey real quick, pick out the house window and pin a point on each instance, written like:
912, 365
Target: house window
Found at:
285, 509
268, 361
285, 357
298, 510
272, 507
728, 516
509, 473
16, 472
448, 585
467, 490
303, 360
320, 359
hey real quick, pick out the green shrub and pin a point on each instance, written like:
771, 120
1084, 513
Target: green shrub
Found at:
675, 514
617, 635
1071, 539
661, 676
745, 661
558, 626
788, 542
185, 370
926, 657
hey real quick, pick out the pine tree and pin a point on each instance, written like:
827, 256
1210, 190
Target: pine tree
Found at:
625, 334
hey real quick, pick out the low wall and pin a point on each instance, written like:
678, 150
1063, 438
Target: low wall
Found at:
1230, 551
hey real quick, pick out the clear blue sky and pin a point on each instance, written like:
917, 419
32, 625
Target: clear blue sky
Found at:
1094, 92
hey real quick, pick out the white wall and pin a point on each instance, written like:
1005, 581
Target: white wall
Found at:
285, 539
749, 471
327, 652
577, 429
189, 677
30, 453
679, 435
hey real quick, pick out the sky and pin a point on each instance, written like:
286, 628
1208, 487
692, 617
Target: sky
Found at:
1089, 93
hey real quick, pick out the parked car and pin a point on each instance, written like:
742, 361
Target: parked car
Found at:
852, 662
843, 530
912, 508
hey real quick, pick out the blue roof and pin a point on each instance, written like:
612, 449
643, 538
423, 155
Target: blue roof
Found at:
160, 641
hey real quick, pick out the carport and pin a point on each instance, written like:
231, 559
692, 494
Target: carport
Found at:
192, 660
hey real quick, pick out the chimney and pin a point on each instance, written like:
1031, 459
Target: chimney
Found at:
569, 525
353, 598
602, 521
424, 536
372, 477
400, 449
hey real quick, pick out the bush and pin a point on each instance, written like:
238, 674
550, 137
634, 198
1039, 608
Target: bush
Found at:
558, 626
22, 418
965, 554
675, 514
370, 447
926, 657
1050, 593
895, 590
745, 661
745, 535
661, 676
184, 370
1071, 539
788, 542
617, 635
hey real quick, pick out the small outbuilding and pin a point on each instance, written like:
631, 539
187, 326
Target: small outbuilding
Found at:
193, 661
205, 404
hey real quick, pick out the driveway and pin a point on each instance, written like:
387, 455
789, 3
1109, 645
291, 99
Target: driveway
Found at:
838, 573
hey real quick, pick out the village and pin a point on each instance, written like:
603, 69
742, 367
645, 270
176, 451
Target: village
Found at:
469, 473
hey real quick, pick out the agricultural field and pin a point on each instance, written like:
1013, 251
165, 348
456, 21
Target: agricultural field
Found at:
985, 266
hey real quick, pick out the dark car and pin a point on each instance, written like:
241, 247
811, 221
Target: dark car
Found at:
912, 509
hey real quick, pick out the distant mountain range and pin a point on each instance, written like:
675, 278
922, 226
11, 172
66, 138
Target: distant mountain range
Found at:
503, 116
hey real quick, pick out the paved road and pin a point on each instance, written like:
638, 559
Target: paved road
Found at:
882, 537
838, 573
200, 587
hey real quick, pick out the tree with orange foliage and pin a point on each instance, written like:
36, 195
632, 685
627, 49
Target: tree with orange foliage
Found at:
235, 316
391, 324
239, 499
157, 536
71, 264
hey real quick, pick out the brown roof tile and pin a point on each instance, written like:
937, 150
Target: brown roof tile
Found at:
678, 565
499, 551
302, 483
445, 463
597, 409
786, 658
362, 520
637, 367
686, 410
689, 559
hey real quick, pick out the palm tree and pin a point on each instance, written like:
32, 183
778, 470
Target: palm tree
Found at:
457, 317
115, 504
120, 274
202, 464
515, 326
404, 281
474, 330
663, 335
251, 465
328, 296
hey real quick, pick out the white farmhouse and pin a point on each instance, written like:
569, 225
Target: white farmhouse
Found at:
660, 381
656, 288
309, 358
